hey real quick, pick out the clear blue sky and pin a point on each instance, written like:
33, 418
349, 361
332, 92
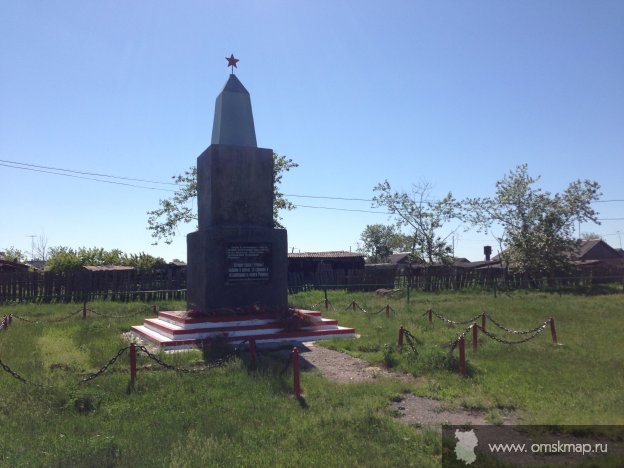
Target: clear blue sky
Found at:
452, 93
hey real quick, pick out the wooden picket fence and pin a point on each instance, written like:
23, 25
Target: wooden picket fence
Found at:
166, 284
82, 285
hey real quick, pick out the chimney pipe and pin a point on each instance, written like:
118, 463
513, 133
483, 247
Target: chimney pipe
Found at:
487, 250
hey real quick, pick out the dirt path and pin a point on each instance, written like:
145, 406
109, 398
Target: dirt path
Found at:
427, 412
345, 369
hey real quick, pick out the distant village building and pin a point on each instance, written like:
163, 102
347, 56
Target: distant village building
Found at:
599, 258
310, 262
11, 266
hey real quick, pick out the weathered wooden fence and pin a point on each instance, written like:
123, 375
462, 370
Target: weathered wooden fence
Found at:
165, 284
452, 278
353, 280
82, 285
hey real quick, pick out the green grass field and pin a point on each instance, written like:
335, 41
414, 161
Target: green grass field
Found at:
234, 416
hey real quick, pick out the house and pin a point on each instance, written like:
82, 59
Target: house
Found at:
11, 266
597, 249
599, 258
98, 268
310, 262
593, 255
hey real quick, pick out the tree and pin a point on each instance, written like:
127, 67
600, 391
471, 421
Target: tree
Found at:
423, 217
13, 255
41, 247
179, 209
379, 241
537, 227
66, 258
591, 236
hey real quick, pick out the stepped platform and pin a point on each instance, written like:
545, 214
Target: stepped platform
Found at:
173, 330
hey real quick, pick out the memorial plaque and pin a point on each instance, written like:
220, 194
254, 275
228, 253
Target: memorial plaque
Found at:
248, 262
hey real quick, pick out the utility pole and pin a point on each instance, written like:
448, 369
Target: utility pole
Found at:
32, 247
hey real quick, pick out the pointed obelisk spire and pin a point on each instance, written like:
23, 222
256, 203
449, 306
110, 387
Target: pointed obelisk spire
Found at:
233, 119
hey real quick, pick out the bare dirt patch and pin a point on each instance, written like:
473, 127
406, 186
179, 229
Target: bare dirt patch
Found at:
426, 412
342, 368
411, 409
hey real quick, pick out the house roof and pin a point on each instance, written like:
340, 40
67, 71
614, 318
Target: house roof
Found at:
108, 268
595, 249
400, 257
331, 254
8, 265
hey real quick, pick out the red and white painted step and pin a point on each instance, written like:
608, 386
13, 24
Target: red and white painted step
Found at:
180, 330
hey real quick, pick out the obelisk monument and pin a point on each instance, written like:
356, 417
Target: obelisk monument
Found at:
237, 260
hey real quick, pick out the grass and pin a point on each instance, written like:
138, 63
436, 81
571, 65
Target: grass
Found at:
576, 382
228, 416
233, 416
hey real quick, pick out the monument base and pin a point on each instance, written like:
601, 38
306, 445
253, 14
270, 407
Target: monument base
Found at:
237, 267
183, 330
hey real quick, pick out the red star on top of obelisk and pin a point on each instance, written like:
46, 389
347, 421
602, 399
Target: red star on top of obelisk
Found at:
232, 62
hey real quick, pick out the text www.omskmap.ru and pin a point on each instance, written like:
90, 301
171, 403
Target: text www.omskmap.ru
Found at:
558, 447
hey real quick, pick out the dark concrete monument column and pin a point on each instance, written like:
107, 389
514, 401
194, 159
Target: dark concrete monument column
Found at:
236, 259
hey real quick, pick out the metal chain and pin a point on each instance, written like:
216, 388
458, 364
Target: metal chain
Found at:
138, 312
515, 332
24, 319
456, 342
383, 309
539, 330
213, 365
411, 340
329, 304
12, 372
453, 322
106, 366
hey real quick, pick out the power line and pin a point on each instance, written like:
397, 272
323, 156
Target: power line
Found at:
341, 209
86, 178
86, 173
49, 169
328, 198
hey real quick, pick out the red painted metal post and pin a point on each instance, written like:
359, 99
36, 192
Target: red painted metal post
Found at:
483, 319
462, 355
133, 369
154, 309
429, 314
553, 330
252, 351
475, 336
401, 333
296, 382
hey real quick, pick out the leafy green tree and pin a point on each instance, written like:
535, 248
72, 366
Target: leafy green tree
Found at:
63, 259
591, 236
424, 218
536, 227
66, 258
144, 261
379, 241
12, 254
179, 209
